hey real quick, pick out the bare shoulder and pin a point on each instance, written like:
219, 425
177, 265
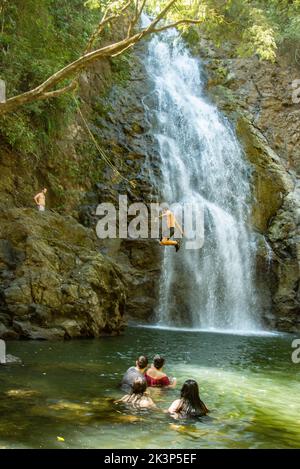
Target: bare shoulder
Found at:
173, 407
147, 402
153, 373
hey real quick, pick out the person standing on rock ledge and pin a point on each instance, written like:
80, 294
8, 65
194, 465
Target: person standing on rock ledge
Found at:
40, 200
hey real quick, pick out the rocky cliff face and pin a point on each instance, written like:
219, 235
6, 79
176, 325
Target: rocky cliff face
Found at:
57, 280
257, 97
54, 283
124, 133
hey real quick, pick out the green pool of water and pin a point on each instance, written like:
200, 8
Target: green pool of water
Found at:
67, 389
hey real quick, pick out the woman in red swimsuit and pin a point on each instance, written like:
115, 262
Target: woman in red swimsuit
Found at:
155, 377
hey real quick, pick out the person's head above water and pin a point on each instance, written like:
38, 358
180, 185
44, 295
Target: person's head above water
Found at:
142, 362
158, 362
139, 386
191, 403
190, 390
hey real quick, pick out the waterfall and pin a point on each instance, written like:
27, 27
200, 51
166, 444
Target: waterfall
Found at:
201, 160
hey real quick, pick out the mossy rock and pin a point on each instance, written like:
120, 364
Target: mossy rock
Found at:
54, 283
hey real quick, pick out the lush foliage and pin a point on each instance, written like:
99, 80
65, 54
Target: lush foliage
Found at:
262, 26
40, 37
254, 26
37, 38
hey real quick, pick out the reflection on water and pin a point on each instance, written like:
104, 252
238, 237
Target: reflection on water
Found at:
62, 397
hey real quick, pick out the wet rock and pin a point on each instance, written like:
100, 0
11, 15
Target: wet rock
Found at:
7, 333
140, 261
133, 150
284, 235
270, 180
257, 98
61, 286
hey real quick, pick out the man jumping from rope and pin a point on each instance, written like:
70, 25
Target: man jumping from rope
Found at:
171, 224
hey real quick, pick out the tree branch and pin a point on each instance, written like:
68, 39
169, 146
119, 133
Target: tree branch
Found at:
123, 50
42, 91
137, 15
104, 21
160, 15
98, 30
176, 23
53, 94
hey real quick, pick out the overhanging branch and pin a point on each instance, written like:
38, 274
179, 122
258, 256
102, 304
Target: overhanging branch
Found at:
43, 91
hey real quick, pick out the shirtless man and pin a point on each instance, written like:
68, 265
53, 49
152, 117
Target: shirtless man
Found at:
171, 224
40, 200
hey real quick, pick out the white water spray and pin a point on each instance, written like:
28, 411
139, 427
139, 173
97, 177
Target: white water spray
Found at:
201, 161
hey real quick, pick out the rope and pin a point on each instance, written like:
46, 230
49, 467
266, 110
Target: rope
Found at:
100, 150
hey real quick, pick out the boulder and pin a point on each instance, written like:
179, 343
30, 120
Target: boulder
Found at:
54, 284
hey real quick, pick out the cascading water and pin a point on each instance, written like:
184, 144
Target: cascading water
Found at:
201, 161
